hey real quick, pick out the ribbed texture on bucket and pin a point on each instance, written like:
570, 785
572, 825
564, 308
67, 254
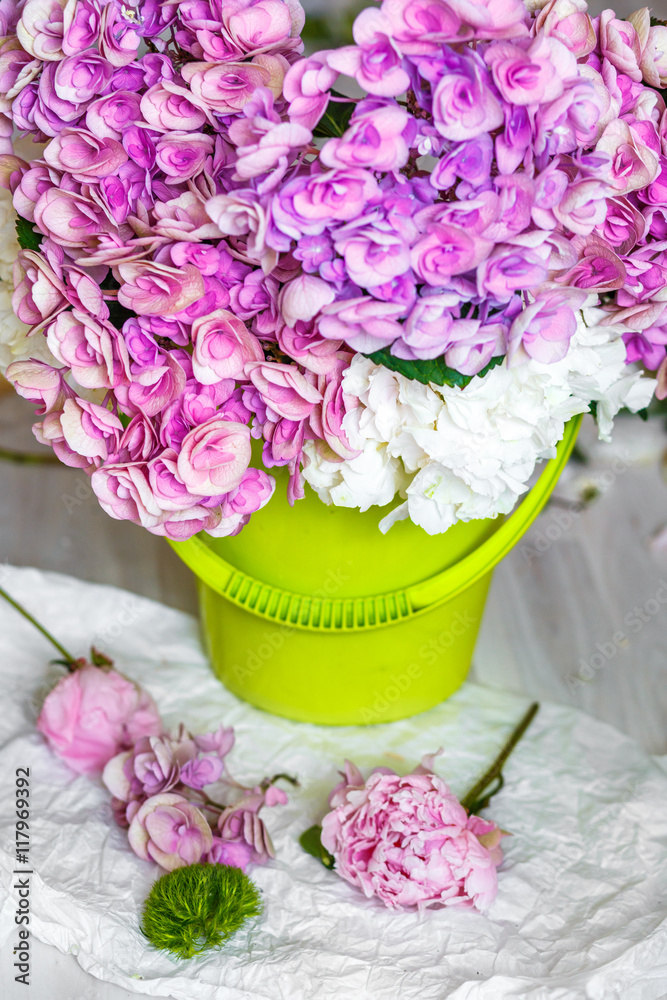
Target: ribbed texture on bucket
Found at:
355, 614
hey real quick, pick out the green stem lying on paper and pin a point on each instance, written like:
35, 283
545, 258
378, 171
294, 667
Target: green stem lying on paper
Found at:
481, 793
71, 663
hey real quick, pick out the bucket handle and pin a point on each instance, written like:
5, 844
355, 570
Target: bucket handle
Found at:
354, 613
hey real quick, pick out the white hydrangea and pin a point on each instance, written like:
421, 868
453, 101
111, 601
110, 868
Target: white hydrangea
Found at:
458, 454
12, 330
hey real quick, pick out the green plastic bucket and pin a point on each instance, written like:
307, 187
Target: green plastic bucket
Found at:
311, 613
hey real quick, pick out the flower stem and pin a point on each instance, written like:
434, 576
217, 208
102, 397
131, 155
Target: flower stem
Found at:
476, 798
71, 662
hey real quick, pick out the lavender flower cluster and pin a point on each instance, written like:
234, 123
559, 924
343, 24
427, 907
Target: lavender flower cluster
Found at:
160, 783
207, 267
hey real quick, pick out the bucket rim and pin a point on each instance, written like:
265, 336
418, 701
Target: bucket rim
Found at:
355, 614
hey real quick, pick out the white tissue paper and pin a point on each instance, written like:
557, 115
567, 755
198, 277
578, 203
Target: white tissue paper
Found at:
581, 910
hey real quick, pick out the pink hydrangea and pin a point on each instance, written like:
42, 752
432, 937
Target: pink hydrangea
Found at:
409, 841
220, 228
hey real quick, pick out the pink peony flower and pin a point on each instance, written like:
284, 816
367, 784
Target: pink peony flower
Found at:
92, 714
170, 830
410, 842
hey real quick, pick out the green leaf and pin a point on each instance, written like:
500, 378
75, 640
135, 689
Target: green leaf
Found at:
643, 414
435, 371
335, 119
27, 238
311, 841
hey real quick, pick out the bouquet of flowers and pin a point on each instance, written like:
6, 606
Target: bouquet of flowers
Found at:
402, 265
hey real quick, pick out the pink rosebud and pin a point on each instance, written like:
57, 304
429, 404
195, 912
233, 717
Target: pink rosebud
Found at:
182, 155
81, 23
568, 21
531, 72
223, 345
422, 26
85, 156
109, 116
598, 267
306, 87
363, 323
374, 140
545, 327
168, 107
236, 854
654, 56
224, 87
82, 77
214, 457
464, 106
410, 842
40, 384
185, 218
124, 492
309, 204
283, 389
620, 44
633, 164
95, 351
72, 220
304, 297
170, 830
89, 429
92, 714
253, 492
446, 250
242, 214
201, 771
150, 288
375, 61
258, 25
39, 292
40, 28
180, 525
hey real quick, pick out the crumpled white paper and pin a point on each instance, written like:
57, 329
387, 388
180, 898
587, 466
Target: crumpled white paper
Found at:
582, 906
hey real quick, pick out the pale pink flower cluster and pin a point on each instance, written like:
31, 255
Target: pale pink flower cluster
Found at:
205, 266
100, 722
409, 842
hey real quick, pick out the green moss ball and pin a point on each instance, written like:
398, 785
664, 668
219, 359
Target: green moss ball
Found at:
198, 907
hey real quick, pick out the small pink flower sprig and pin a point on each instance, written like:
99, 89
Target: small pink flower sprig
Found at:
409, 841
102, 723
